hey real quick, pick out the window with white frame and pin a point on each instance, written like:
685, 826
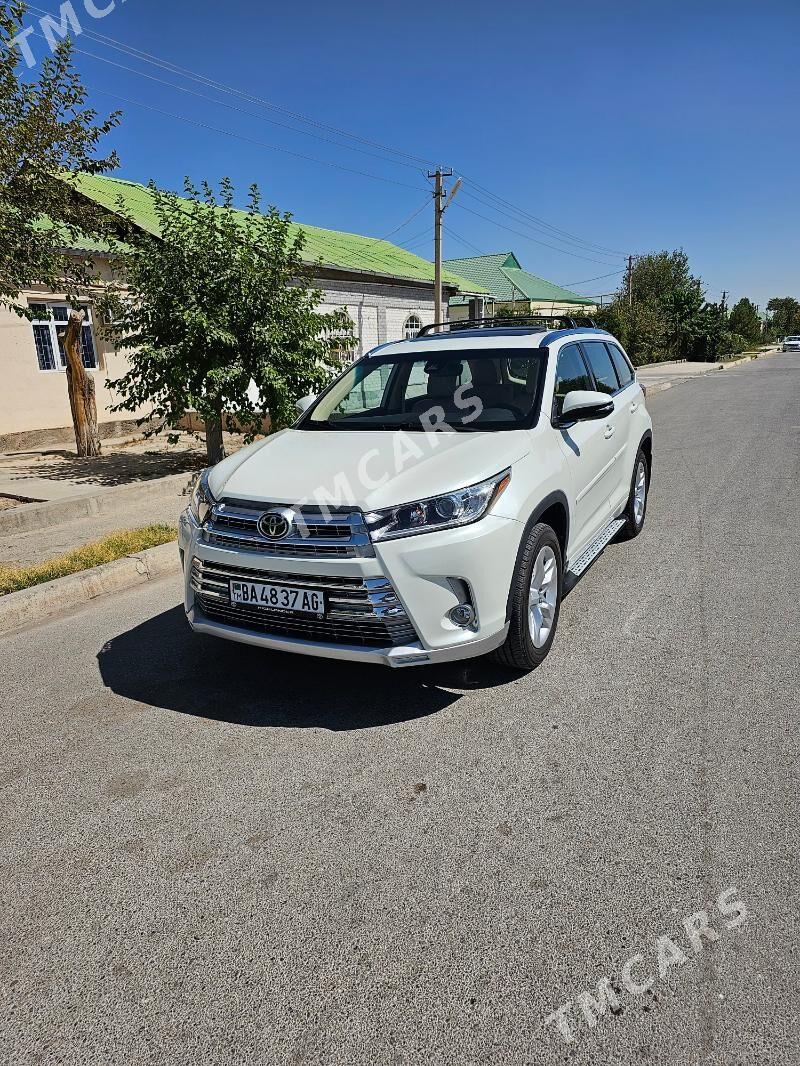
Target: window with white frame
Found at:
49, 327
413, 326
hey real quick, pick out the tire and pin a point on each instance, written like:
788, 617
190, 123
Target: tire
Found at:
636, 508
527, 643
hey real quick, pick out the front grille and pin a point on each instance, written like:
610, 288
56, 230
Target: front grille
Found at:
364, 613
339, 534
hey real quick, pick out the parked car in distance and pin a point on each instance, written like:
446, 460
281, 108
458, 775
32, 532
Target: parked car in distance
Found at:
791, 344
428, 505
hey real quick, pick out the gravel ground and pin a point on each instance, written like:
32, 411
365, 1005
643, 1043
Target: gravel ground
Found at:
214, 854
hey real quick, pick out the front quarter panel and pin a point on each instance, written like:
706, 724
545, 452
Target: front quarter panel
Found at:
540, 475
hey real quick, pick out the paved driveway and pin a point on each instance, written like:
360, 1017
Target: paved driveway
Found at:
212, 854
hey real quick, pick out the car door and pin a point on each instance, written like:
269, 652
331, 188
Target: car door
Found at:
588, 449
617, 427
629, 398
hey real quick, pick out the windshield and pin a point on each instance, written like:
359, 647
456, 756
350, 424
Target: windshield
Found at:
489, 390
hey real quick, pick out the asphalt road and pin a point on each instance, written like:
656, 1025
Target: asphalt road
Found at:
214, 854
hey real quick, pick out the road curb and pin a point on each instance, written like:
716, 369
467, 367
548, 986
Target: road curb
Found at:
29, 517
662, 386
34, 605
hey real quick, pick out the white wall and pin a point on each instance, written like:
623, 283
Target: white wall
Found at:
32, 400
379, 311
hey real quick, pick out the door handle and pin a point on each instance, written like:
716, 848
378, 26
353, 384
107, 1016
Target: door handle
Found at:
609, 432
633, 407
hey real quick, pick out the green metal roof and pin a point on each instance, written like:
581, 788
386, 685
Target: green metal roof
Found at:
79, 242
331, 248
502, 275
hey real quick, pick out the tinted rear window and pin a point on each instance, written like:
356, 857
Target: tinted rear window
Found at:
621, 365
602, 367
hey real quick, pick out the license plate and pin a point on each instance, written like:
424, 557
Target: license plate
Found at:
278, 597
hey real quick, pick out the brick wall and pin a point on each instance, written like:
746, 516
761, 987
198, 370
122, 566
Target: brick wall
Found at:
379, 312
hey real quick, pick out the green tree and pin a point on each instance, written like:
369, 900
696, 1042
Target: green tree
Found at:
640, 327
222, 298
744, 320
45, 131
658, 274
785, 311
666, 315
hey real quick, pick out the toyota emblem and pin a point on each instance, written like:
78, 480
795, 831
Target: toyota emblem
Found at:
274, 525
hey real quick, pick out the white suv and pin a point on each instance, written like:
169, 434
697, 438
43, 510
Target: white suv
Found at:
429, 504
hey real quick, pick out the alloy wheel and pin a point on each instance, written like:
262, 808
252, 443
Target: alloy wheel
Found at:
543, 596
639, 493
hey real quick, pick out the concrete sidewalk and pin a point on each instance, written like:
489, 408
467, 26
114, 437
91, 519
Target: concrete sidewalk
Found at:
58, 474
658, 376
135, 482
33, 533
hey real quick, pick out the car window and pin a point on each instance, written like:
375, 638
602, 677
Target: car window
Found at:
467, 390
602, 367
621, 365
571, 374
367, 392
419, 377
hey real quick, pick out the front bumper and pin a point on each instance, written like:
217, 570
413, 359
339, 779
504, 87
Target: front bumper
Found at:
430, 574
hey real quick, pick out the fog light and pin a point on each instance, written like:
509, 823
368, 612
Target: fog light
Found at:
463, 615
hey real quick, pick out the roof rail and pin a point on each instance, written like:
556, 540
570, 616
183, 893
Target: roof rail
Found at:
542, 322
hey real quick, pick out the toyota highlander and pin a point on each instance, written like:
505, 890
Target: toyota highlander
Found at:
430, 503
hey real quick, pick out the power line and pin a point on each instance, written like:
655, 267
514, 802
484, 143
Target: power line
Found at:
542, 222
526, 218
252, 140
520, 216
424, 233
186, 72
468, 244
242, 110
527, 237
568, 242
410, 218
586, 281
419, 244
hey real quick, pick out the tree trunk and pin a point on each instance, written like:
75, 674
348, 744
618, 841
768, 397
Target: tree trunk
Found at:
81, 390
215, 450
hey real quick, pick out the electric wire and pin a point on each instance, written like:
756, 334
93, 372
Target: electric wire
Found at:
520, 216
252, 140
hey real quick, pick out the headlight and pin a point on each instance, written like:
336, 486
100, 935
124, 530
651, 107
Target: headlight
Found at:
202, 499
439, 512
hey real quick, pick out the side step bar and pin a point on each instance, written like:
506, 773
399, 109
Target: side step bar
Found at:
595, 546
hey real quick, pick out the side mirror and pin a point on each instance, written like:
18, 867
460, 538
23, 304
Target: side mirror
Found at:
303, 404
582, 406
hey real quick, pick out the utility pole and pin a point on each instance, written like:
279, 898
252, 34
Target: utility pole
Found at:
630, 280
440, 205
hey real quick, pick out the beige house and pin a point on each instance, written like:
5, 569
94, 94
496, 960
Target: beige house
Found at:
387, 291
34, 403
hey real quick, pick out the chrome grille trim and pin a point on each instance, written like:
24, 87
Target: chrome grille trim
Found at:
340, 534
363, 612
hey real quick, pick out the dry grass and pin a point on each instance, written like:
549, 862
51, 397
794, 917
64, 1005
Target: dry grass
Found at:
114, 546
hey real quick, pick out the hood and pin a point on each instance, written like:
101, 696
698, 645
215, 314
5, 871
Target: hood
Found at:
363, 469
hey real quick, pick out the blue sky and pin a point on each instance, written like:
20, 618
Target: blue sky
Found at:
633, 126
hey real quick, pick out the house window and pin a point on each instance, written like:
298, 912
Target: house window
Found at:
413, 326
344, 351
49, 327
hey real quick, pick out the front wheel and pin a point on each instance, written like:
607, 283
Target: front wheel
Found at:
535, 601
